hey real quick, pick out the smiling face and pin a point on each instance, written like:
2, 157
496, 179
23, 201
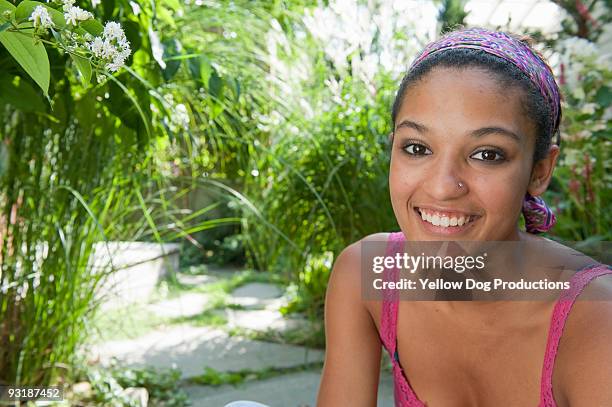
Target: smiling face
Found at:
461, 159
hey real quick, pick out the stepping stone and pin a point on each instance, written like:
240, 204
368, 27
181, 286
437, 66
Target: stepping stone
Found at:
196, 279
258, 290
191, 349
262, 320
291, 390
187, 305
257, 295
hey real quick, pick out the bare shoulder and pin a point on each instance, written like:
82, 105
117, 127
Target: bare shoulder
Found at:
557, 253
347, 266
584, 361
347, 273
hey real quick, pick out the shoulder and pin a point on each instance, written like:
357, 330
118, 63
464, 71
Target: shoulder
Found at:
348, 263
548, 250
347, 277
584, 361
351, 255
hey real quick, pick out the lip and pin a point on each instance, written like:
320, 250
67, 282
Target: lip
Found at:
441, 230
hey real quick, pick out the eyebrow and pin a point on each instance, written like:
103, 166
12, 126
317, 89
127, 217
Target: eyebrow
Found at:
484, 131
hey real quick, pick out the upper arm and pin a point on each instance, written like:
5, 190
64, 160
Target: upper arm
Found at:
353, 348
586, 361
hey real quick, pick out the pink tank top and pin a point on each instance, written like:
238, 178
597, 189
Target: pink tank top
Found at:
406, 397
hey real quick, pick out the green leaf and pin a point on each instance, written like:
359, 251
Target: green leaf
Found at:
25, 9
18, 93
6, 6
86, 112
215, 84
84, 67
93, 27
194, 65
173, 4
603, 97
205, 69
166, 16
30, 55
133, 35
237, 88
108, 6
171, 49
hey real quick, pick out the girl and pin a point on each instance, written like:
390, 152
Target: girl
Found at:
473, 122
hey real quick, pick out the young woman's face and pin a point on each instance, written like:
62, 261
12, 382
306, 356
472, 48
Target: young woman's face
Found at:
461, 158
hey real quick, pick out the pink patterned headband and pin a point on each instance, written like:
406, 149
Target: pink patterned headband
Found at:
510, 49
538, 216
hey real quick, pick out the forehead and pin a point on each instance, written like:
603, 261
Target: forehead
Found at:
452, 101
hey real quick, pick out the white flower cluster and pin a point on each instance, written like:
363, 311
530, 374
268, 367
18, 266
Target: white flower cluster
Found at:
41, 18
576, 55
113, 47
74, 14
179, 118
580, 47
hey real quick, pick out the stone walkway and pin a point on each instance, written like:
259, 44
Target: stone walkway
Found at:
292, 390
193, 348
187, 305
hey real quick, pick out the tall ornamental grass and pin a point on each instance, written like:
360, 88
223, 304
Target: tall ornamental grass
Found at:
81, 164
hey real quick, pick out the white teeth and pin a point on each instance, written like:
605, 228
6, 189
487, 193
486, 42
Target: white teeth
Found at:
444, 221
435, 219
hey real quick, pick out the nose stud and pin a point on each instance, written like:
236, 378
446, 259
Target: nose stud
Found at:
460, 184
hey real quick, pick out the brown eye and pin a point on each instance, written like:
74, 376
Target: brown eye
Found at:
416, 149
488, 155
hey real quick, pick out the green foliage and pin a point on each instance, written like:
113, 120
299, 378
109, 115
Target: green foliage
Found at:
61, 191
452, 15
311, 335
308, 292
109, 384
581, 190
94, 164
32, 56
324, 185
213, 377
162, 385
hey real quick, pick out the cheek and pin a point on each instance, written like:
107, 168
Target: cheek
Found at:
501, 192
403, 182
400, 183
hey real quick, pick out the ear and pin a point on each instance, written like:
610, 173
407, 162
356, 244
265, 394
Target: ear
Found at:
542, 171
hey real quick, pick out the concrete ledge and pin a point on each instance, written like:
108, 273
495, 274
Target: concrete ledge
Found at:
134, 269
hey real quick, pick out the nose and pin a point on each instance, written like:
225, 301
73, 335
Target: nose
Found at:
445, 181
